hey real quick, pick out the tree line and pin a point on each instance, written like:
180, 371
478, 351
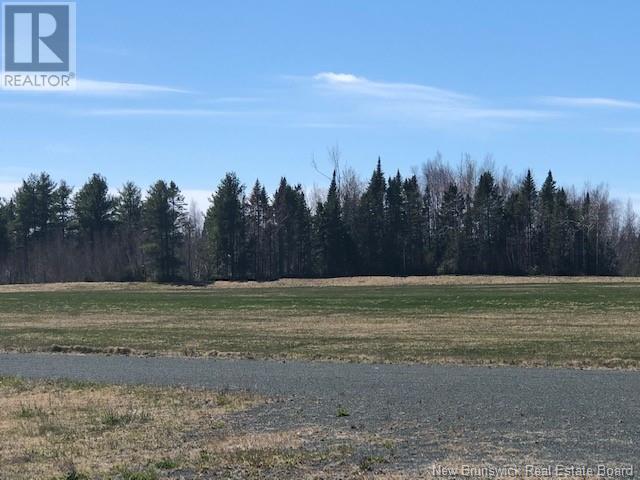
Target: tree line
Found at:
464, 220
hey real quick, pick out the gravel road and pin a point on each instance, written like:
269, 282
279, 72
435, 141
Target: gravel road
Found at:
475, 414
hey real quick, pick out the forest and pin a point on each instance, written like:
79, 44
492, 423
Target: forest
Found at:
439, 220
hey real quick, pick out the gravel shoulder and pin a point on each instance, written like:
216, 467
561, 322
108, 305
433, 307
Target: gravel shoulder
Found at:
431, 413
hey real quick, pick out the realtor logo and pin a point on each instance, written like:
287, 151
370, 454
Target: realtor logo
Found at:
38, 46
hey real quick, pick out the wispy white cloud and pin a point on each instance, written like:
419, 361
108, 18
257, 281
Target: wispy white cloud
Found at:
419, 102
589, 102
348, 83
98, 87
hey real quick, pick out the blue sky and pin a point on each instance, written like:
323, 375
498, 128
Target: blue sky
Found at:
189, 90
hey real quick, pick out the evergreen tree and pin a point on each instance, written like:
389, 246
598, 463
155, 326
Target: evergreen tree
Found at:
128, 218
163, 217
224, 227
547, 214
258, 217
487, 216
94, 208
414, 218
526, 208
290, 224
25, 222
62, 208
302, 259
5, 239
44, 204
128, 207
371, 224
350, 193
331, 234
395, 229
563, 235
449, 231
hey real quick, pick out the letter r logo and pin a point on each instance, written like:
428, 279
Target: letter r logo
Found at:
36, 37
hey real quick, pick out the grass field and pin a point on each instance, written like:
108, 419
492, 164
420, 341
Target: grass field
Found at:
573, 322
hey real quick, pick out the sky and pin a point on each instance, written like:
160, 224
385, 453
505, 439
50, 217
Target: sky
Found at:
189, 90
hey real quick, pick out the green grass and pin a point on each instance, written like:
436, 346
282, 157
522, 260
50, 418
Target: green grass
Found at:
557, 324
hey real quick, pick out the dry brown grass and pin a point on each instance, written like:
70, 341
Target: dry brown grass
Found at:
49, 429
365, 281
383, 281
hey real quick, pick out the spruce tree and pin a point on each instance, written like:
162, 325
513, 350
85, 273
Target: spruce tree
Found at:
5, 239
128, 217
94, 208
62, 208
548, 241
371, 224
487, 216
414, 218
225, 229
449, 231
331, 234
526, 209
258, 249
395, 228
163, 220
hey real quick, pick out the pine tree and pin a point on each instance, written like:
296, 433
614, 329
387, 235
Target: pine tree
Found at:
487, 216
526, 212
25, 222
44, 207
371, 224
258, 216
128, 217
547, 213
163, 218
331, 234
284, 210
563, 235
94, 208
414, 218
350, 194
5, 239
395, 229
224, 227
62, 208
302, 259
